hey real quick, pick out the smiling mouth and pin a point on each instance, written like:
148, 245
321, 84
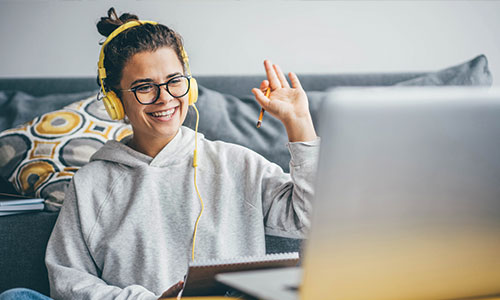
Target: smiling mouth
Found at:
164, 114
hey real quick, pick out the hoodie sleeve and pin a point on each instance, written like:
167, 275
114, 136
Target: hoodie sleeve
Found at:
287, 198
72, 271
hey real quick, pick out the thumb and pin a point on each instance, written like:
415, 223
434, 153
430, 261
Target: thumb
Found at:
264, 85
261, 98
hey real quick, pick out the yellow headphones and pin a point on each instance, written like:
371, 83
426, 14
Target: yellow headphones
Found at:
112, 102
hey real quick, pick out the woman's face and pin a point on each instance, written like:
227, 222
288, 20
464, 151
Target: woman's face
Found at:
154, 125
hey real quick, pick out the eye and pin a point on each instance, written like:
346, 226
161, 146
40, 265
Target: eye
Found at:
175, 81
145, 88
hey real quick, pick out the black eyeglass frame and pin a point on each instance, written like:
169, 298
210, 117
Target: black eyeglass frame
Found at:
158, 86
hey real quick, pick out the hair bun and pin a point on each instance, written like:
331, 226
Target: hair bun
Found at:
108, 24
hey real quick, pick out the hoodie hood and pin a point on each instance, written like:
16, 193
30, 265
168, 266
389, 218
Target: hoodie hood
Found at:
181, 147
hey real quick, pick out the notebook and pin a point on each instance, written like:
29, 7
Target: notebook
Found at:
200, 279
407, 199
15, 204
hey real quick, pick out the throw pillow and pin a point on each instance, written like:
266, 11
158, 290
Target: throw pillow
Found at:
40, 157
231, 119
473, 72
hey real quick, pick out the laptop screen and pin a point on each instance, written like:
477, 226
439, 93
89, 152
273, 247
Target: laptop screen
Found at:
407, 202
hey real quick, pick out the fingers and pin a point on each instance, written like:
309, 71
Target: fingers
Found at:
295, 81
276, 77
274, 81
281, 76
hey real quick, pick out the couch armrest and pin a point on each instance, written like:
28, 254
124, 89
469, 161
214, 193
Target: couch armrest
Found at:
23, 239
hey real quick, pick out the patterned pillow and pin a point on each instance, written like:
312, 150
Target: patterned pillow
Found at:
40, 157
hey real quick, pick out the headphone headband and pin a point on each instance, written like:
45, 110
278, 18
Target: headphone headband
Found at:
117, 31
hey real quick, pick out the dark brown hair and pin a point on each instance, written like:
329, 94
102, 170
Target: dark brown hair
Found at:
119, 50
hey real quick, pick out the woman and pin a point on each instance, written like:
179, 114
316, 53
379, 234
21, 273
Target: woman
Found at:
126, 228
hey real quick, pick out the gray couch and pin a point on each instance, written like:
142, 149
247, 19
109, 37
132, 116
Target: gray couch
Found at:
222, 98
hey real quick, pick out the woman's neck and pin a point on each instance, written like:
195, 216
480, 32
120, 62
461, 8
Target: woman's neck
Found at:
151, 147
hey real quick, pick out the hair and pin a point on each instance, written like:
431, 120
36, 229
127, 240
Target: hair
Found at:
120, 49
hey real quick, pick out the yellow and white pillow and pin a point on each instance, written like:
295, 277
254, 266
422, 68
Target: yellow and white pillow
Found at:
40, 157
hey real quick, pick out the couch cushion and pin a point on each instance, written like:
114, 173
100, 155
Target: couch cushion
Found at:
233, 119
473, 72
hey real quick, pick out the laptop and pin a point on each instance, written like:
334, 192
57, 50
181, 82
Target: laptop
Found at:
407, 199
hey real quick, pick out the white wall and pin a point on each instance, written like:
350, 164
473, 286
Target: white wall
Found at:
59, 38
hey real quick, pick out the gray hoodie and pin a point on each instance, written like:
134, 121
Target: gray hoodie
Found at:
126, 227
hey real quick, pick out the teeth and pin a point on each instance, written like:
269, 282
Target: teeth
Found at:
163, 113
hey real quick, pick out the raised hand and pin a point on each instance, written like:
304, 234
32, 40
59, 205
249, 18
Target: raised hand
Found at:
288, 104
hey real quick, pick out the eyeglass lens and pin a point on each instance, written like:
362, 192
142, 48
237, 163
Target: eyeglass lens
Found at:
149, 92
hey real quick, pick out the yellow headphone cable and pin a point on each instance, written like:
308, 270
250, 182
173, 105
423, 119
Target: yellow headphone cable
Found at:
195, 166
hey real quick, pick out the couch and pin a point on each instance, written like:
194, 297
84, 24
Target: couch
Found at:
23, 237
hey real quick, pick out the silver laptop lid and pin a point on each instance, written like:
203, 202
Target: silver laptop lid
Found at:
408, 195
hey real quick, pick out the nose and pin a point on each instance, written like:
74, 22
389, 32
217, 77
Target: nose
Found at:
164, 95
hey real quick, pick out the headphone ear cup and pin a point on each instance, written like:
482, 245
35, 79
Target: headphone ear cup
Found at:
193, 91
113, 106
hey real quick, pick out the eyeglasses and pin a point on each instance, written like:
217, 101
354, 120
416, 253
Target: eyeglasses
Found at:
149, 93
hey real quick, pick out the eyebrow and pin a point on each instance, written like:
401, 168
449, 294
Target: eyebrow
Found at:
148, 80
